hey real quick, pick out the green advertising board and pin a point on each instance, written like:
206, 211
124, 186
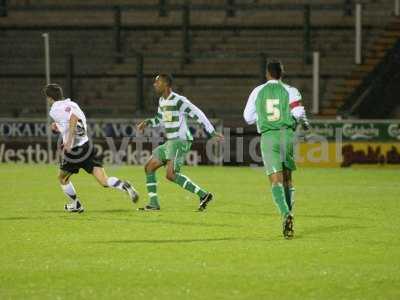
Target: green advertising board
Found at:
384, 131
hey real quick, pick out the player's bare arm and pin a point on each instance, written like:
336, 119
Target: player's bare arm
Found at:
219, 136
73, 121
54, 127
141, 126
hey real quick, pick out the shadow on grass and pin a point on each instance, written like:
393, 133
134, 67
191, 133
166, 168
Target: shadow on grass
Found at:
170, 222
331, 217
317, 230
111, 211
246, 213
54, 211
48, 217
175, 241
95, 215
105, 211
16, 218
87, 217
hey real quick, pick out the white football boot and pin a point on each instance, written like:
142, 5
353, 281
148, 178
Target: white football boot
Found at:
133, 194
74, 207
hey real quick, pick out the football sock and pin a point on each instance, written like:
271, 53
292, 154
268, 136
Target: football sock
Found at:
116, 183
69, 191
151, 184
189, 185
289, 196
278, 194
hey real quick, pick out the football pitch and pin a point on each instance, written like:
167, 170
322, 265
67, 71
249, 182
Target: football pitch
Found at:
346, 244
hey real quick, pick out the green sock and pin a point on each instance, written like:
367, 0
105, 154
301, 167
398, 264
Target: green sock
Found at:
289, 196
189, 185
291, 192
151, 184
278, 193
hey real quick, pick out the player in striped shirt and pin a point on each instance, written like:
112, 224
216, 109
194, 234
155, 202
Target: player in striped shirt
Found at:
172, 113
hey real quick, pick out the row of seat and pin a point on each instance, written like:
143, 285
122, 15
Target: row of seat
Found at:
374, 14
221, 74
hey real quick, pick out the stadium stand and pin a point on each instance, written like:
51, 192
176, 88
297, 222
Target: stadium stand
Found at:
374, 54
225, 60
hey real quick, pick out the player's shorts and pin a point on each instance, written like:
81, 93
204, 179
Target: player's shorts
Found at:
277, 150
175, 150
81, 157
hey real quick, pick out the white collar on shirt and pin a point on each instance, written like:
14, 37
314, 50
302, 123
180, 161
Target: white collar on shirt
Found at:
169, 96
61, 101
273, 81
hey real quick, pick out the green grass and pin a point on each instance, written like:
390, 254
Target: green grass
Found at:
346, 246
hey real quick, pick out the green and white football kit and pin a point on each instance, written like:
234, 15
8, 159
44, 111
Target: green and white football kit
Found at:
173, 113
275, 107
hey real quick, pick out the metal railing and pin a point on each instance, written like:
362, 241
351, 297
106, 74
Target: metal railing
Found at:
371, 82
140, 75
3, 8
186, 27
164, 7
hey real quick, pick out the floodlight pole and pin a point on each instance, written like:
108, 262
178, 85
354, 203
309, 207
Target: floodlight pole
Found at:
315, 106
358, 44
47, 71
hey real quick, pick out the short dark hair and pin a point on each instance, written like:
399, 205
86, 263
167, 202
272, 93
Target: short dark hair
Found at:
275, 68
53, 90
166, 78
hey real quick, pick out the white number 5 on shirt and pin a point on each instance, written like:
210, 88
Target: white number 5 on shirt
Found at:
273, 112
168, 116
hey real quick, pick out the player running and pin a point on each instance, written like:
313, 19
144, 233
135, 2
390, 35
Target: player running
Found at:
173, 111
276, 108
78, 151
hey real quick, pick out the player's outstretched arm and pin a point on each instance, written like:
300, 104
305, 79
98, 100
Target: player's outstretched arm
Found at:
219, 136
141, 126
152, 122
198, 115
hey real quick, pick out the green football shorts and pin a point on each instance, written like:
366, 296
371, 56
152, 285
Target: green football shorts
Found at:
277, 150
175, 150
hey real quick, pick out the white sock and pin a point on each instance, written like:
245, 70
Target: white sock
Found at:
114, 182
69, 191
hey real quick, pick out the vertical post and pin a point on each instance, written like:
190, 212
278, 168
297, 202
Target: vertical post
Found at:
307, 33
230, 8
358, 29
162, 4
186, 32
139, 81
316, 64
397, 8
263, 67
3, 8
348, 7
117, 34
47, 71
70, 75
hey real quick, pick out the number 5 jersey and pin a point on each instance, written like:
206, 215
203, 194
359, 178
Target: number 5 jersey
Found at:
273, 105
